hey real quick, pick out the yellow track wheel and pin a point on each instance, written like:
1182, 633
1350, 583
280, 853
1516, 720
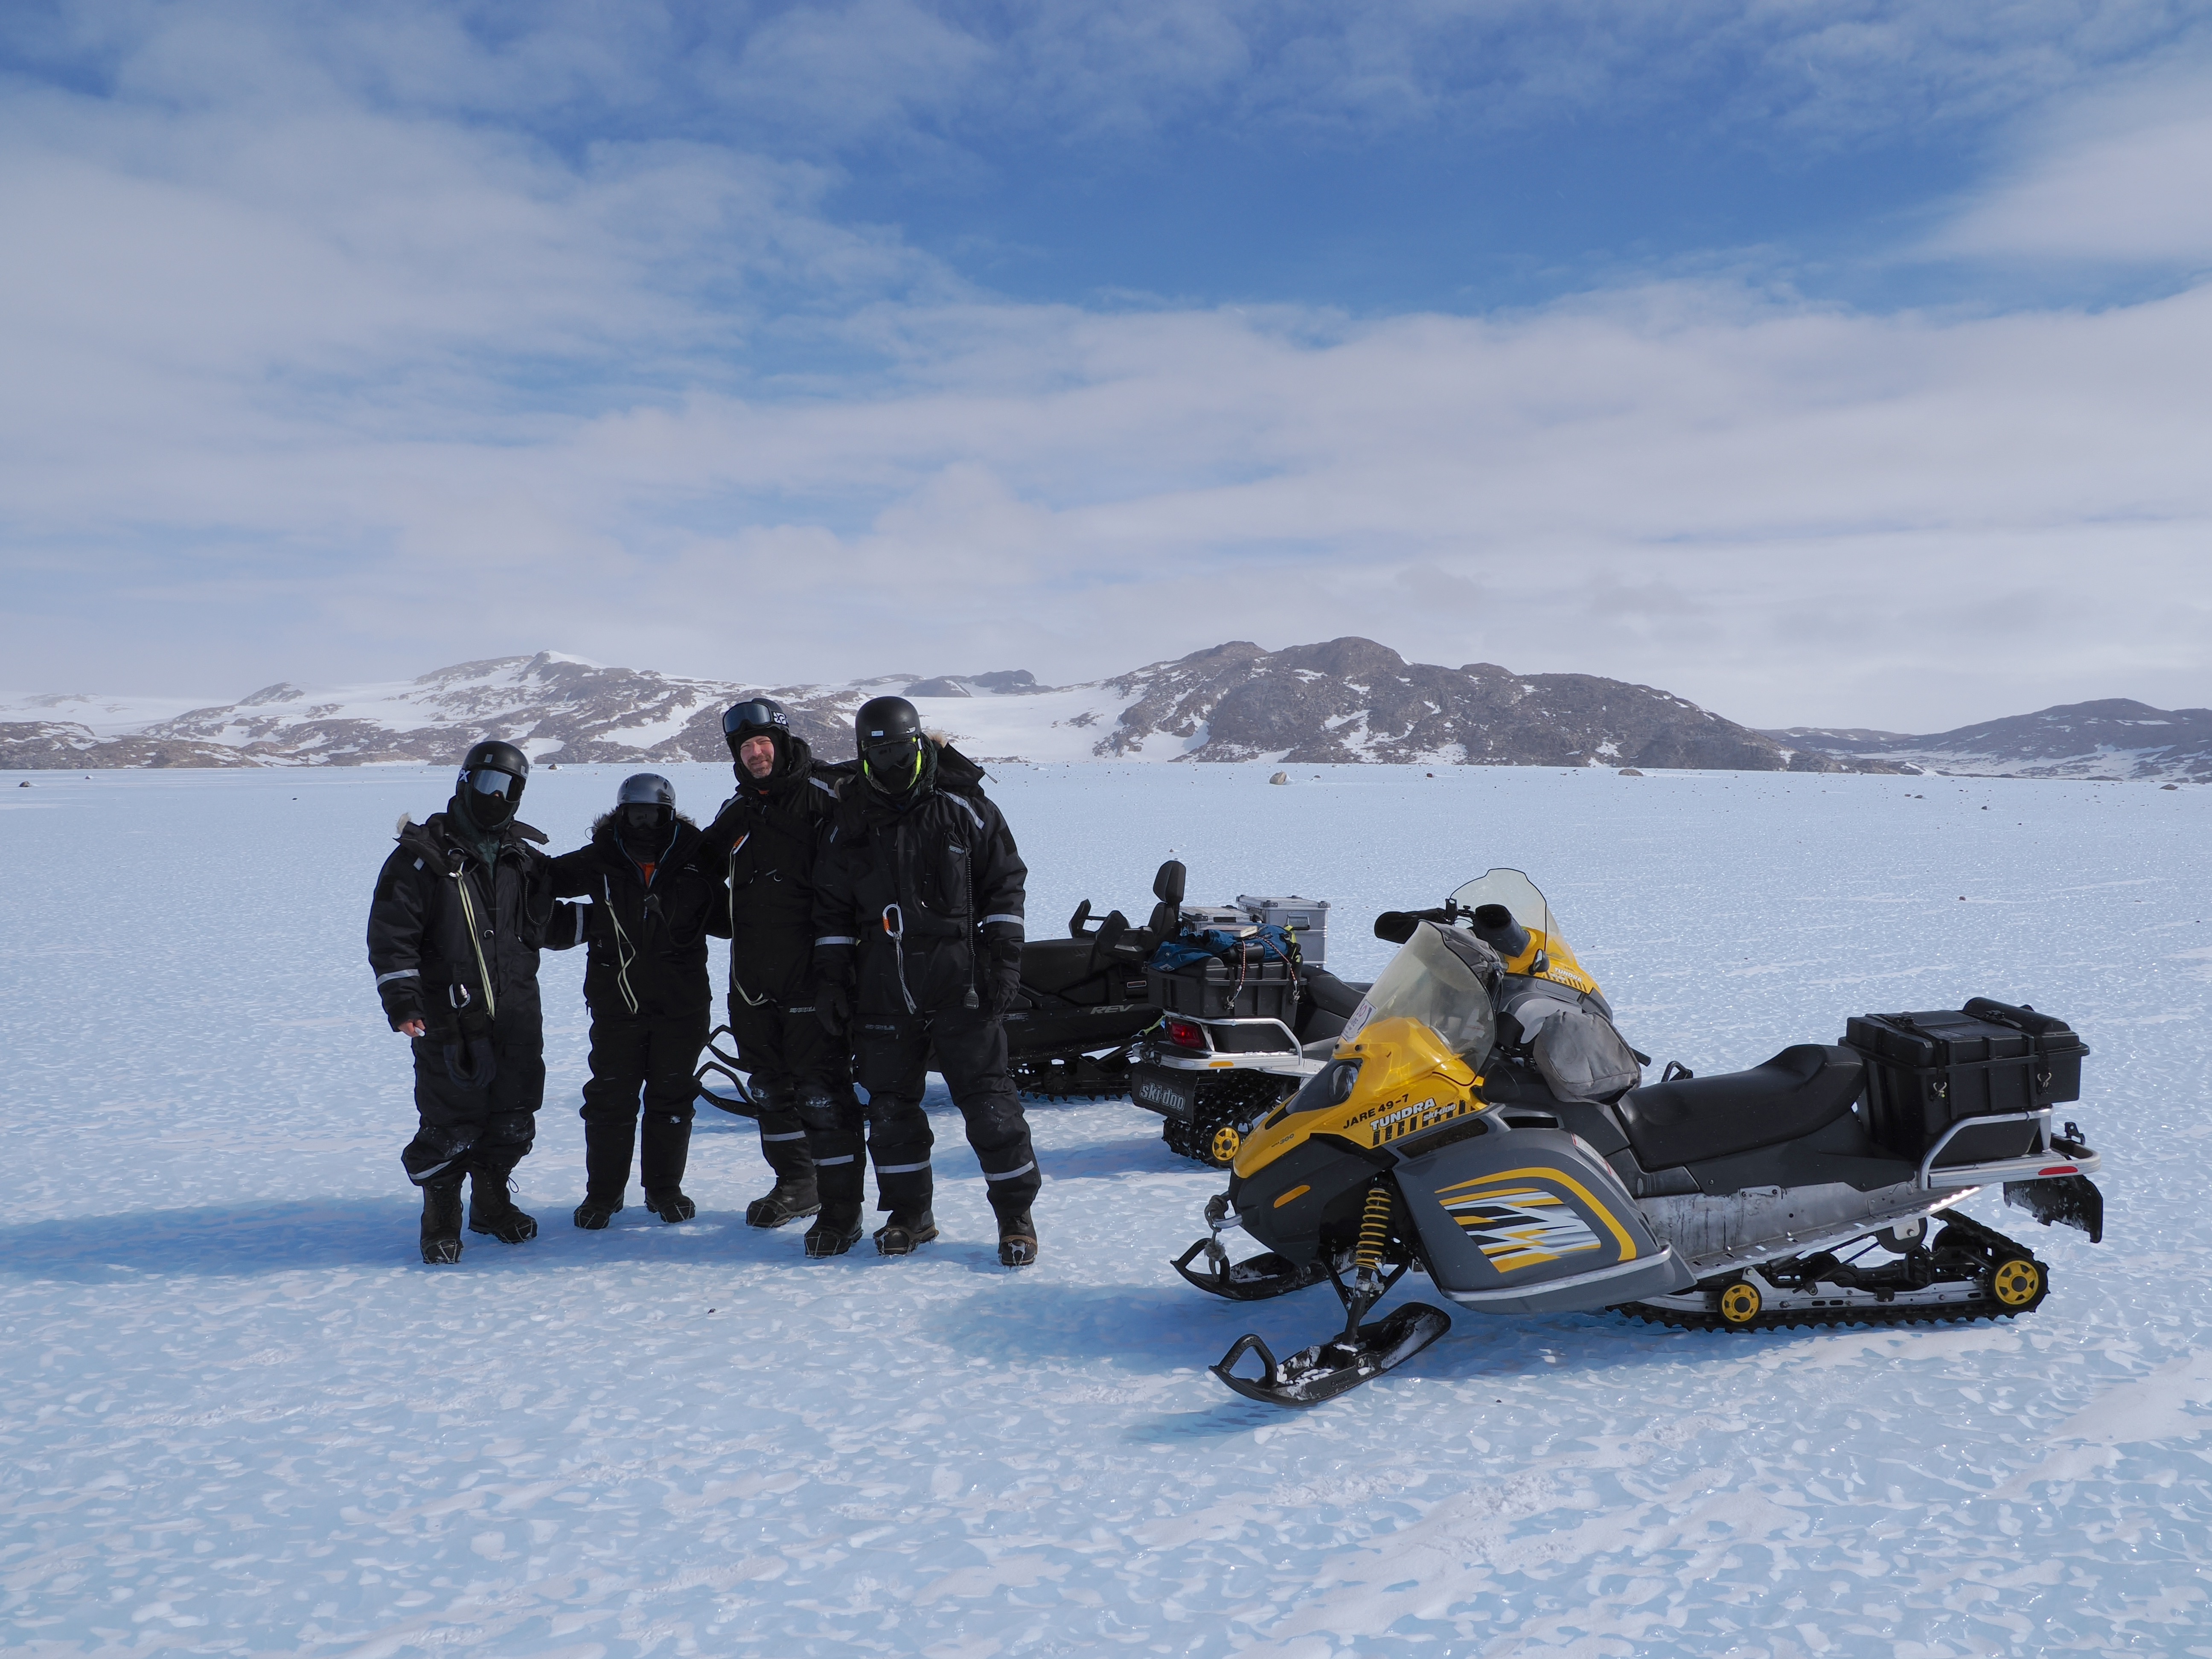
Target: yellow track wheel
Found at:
1740, 1303
2016, 1282
1221, 1150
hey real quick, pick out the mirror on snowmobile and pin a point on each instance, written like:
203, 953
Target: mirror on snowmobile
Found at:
1495, 927
1168, 885
1396, 925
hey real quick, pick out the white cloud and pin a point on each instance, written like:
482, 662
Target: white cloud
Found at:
2121, 177
330, 381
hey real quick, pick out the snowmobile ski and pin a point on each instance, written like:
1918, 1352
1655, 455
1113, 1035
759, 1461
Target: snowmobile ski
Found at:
1256, 1279
1339, 1365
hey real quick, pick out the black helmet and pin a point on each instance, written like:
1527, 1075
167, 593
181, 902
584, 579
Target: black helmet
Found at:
492, 776
757, 717
645, 808
888, 732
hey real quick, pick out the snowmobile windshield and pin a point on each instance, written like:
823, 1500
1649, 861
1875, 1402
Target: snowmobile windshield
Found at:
1516, 893
1427, 981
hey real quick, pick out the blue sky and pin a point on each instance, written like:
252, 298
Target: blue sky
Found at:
1715, 346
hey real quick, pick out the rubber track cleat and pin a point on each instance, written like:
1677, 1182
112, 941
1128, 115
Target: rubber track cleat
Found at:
672, 1206
826, 1238
594, 1213
1018, 1245
904, 1236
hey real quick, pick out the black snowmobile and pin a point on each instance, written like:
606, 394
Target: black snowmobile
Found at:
1478, 1121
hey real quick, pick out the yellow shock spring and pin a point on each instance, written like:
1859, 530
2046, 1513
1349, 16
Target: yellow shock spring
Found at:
1374, 1228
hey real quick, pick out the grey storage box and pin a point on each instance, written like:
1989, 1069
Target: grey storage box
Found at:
1228, 917
1307, 919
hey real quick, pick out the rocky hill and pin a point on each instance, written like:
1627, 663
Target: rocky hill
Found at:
1349, 700
2111, 739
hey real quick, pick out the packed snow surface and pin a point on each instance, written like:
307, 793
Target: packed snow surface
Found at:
240, 1417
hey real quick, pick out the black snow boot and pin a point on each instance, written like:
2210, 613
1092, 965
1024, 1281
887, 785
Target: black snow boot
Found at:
671, 1205
835, 1231
492, 1210
1018, 1245
906, 1232
783, 1144
663, 1150
441, 1221
594, 1213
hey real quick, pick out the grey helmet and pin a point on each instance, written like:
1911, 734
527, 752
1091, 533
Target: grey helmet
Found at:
645, 809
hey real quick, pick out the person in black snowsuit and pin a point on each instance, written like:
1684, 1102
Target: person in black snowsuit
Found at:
462, 907
918, 943
652, 906
768, 834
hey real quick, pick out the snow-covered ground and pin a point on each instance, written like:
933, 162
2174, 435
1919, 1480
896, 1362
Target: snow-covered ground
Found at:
240, 1417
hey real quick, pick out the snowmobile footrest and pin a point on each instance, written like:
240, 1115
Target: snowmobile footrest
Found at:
1254, 1280
1330, 1369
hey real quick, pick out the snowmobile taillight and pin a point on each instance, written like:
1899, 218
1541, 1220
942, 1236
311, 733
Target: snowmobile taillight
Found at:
1184, 1034
2060, 1169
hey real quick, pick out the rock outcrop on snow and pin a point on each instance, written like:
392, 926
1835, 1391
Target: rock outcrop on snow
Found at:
2114, 738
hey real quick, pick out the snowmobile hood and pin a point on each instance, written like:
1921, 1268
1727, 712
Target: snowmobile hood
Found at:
1394, 1077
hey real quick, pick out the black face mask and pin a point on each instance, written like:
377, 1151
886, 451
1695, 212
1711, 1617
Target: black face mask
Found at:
641, 824
491, 797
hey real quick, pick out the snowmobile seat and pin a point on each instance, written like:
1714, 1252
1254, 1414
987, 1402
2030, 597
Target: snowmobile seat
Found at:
1057, 965
1801, 1088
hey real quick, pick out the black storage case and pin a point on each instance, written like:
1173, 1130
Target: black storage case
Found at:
1215, 990
1926, 1071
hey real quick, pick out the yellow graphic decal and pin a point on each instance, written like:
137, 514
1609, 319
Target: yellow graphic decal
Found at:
1464, 1193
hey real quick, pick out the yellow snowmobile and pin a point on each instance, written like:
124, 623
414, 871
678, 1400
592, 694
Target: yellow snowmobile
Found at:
1482, 1120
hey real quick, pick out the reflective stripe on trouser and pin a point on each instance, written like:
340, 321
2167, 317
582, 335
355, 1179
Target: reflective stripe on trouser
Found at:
792, 1061
489, 1129
641, 1069
971, 1054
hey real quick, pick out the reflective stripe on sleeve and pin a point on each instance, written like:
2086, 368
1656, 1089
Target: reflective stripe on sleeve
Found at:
832, 938
1014, 917
399, 973
801, 1135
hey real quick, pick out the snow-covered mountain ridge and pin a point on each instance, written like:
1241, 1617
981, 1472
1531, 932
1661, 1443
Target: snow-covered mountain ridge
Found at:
1346, 700
2113, 738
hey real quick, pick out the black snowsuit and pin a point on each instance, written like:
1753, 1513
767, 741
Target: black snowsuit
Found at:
454, 942
769, 834
919, 910
646, 983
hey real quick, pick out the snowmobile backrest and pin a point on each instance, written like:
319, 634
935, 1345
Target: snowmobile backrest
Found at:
1167, 884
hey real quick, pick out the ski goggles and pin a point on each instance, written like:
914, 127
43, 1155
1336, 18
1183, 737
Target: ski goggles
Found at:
485, 781
895, 760
757, 713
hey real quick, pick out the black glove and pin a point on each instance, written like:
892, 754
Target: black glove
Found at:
1002, 974
402, 999
833, 1007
